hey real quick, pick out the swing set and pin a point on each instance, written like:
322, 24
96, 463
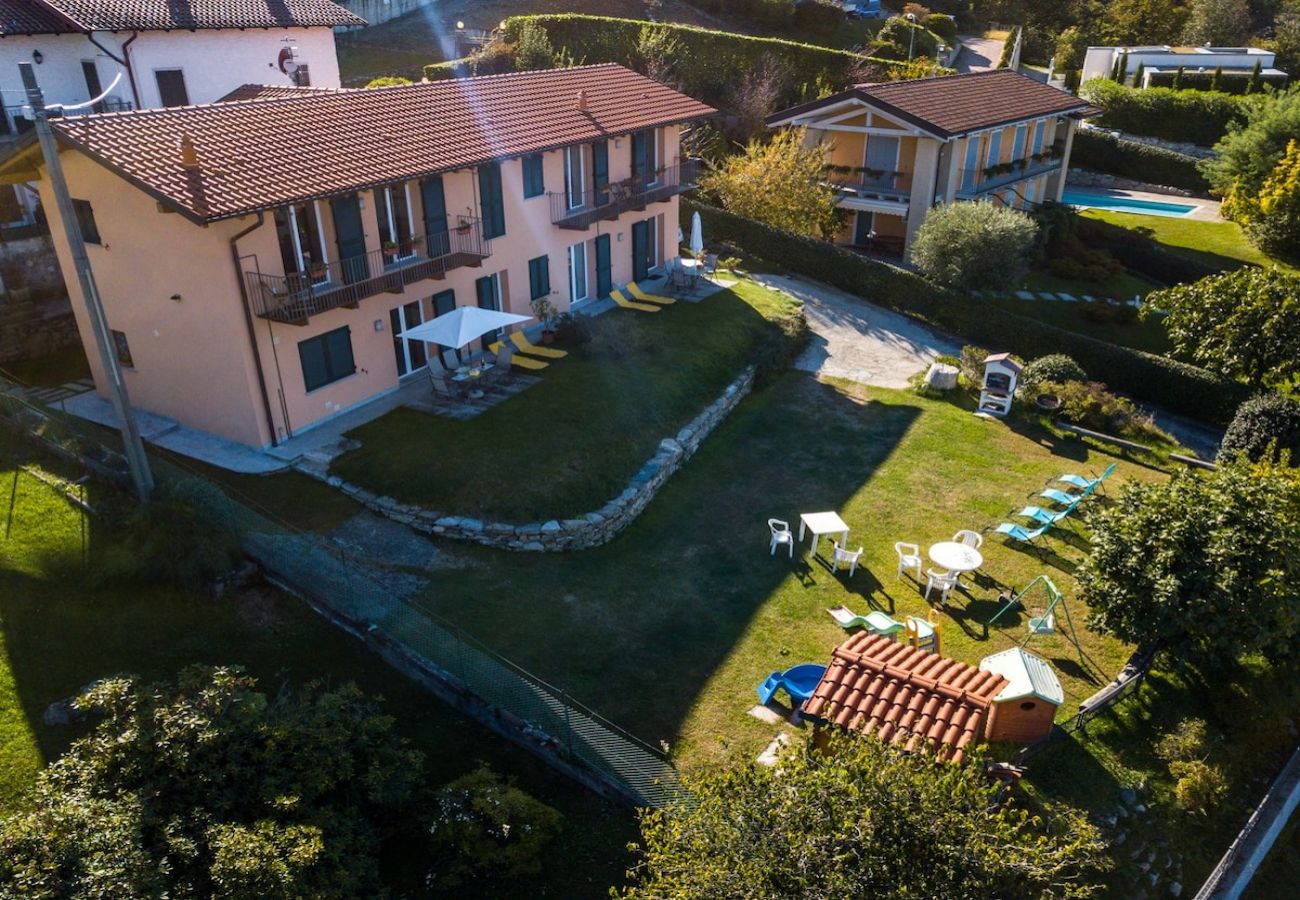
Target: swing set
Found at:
1043, 620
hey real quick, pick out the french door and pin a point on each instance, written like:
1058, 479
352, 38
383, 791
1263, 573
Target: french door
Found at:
411, 355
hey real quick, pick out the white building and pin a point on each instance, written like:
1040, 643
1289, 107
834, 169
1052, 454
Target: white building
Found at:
1100, 62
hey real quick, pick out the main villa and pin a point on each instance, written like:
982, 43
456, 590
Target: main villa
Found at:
259, 258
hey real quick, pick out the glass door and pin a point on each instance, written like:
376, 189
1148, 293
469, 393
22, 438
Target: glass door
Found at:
411, 355
575, 192
577, 272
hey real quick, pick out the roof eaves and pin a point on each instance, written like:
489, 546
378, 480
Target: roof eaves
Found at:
62, 16
193, 216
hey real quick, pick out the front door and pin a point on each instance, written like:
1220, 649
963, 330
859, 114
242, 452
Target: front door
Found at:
641, 261
351, 237
863, 228
435, 216
604, 281
410, 355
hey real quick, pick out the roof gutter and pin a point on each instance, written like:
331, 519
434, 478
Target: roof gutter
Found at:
248, 321
124, 61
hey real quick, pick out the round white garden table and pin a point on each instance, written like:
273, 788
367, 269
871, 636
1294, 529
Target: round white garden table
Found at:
956, 557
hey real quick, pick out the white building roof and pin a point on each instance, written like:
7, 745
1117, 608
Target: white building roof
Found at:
1027, 676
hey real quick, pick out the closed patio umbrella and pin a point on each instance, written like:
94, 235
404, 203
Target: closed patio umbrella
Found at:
460, 326
697, 235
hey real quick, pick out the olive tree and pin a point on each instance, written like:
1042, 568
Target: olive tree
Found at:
974, 245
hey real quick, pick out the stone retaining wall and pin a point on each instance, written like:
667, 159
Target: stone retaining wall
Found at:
591, 530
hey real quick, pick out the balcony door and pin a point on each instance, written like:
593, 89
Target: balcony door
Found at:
411, 355
604, 267
393, 210
578, 272
302, 242
435, 216
643, 249
881, 161
600, 172
645, 157
351, 238
575, 183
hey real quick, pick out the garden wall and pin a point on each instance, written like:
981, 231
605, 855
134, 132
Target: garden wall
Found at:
1174, 385
35, 314
591, 530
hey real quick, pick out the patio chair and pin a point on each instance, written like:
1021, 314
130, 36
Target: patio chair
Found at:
845, 556
679, 281
1022, 535
1044, 516
523, 345
440, 385
909, 557
943, 582
972, 539
1083, 483
641, 295
799, 682
710, 265
507, 357
875, 621
621, 299
781, 534
1062, 497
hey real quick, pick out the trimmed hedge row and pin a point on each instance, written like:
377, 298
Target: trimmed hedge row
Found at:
1229, 83
1196, 117
1172, 384
1103, 152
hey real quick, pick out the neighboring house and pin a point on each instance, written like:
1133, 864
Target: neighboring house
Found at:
1160, 63
895, 150
259, 258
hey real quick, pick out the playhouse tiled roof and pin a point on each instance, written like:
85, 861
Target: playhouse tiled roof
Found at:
63, 16
259, 154
904, 695
953, 105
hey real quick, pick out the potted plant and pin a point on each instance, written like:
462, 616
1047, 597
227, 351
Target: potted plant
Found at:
317, 272
546, 313
463, 225
390, 251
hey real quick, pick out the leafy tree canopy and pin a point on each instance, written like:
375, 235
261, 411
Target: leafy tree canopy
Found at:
1222, 23
1267, 425
1203, 566
1272, 217
856, 818
1248, 154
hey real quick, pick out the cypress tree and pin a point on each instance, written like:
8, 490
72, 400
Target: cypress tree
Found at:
1216, 80
1138, 73
1178, 79
1253, 84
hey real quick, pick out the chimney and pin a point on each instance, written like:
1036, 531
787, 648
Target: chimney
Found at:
582, 101
189, 154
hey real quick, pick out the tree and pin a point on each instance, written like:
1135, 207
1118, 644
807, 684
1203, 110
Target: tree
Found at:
1178, 79
1071, 46
1130, 22
1248, 154
974, 245
209, 788
1286, 37
1242, 324
1265, 425
1220, 23
1253, 83
781, 183
1139, 73
1202, 566
857, 818
755, 98
1272, 219
534, 49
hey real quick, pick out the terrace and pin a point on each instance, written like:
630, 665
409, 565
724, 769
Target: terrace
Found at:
583, 204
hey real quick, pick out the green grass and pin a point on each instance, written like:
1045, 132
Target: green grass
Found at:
568, 445
1122, 286
1148, 335
1220, 244
57, 634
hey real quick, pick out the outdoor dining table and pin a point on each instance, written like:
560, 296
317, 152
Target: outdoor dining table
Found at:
463, 377
956, 557
820, 523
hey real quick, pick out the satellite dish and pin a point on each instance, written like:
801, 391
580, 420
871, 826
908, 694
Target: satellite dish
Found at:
287, 62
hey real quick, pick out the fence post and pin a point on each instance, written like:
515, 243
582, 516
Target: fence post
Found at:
568, 725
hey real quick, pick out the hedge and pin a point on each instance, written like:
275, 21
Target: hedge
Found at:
1177, 386
1197, 117
708, 63
1229, 82
1103, 152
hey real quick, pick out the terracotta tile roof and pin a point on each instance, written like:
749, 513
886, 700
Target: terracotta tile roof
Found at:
953, 105
259, 154
903, 695
273, 92
32, 17
167, 15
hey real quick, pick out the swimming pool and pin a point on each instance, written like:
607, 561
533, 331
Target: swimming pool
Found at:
1126, 204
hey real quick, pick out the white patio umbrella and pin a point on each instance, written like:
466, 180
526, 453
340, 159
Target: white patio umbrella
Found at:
697, 235
460, 326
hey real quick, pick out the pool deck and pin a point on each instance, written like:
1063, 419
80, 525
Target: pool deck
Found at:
1205, 211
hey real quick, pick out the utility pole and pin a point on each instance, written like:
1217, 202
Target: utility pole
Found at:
135, 456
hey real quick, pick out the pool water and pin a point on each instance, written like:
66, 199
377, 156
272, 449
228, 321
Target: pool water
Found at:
1126, 204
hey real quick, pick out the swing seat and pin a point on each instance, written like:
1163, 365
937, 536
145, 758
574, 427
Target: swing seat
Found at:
1042, 624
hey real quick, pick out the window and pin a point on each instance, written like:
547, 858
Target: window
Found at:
534, 178
86, 219
302, 248
171, 87
969, 175
1018, 148
539, 277
122, 350
494, 209
393, 210
326, 358
995, 149
578, 272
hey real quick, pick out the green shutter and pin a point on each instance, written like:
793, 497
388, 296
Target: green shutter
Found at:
338, 346
326, 358
314, 370
494, 211
534, 177
539, 277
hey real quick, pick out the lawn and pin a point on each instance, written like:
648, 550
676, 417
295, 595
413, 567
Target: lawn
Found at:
1148, 335
58, 634
569, 444
1219, 244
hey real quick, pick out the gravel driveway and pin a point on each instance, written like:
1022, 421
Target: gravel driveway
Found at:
855, 340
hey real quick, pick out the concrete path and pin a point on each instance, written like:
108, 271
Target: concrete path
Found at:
978, 53
855, 340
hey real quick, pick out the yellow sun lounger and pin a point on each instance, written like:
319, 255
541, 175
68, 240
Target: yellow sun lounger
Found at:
621, 299
648, 298
522, 362
523, 345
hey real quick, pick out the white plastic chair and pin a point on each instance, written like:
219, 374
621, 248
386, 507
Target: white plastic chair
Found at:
845, 556
781, 534
909, 557
972, 539
941, 581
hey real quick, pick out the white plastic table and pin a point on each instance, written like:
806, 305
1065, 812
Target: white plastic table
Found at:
956, 557
820, 523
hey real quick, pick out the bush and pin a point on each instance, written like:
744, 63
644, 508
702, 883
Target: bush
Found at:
1091, 406
1197, 117
1229, 83
819, 17
388, 81
1054, 367
1264, 422
898, 32
944, 26
972, 365
1186, 741
1272, 217
1103, 152
974, 245
1175, 385
533, 49
1200, 786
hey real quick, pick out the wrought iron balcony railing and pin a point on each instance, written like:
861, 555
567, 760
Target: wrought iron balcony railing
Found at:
580, 206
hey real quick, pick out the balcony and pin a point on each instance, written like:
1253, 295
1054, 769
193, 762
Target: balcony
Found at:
869, 183
293, 299
15, 120
975, 182
616, 198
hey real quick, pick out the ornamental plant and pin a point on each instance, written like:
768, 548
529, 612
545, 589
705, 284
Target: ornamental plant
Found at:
1267, 425
974, 245
781, 183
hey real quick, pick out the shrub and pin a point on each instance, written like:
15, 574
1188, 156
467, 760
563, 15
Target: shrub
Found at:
819, 17
1200, 786
972, 365
533, 48
944, 26
780, 182
897, 32
974, 245
1054, 367
1249, 154
1103, 152
1264, 422
1197, 117
1175, 385
1186, 741
1273, 217
388, 81
1091, 406
1139, 253
1235, 83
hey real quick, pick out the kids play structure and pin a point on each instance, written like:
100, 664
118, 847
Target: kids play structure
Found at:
1043, 620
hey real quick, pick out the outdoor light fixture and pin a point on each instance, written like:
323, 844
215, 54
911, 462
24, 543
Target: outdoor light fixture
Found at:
379, 324
460, 26
38, 57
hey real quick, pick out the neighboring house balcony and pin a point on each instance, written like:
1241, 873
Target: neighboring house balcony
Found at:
295, 297
870, 183
977, 182
578, 207
16, 120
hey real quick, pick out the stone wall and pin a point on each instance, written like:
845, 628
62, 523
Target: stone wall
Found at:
591, 530
35, 315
